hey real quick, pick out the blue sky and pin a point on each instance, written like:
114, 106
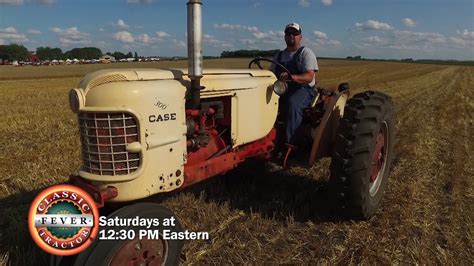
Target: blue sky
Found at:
438, 29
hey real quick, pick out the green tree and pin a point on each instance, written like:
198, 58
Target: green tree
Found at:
13, 52
48, 53
84, 53
119, 55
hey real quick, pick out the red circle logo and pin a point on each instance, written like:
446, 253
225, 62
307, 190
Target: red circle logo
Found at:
63, 220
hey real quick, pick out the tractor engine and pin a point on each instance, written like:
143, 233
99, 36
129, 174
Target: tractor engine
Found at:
148, 131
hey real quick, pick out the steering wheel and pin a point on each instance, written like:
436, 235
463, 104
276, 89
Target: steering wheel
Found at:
257, 62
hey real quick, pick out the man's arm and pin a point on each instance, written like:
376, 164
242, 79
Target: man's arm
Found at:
304, 78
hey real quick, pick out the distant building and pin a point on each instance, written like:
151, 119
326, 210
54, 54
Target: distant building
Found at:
107, 58
33, 57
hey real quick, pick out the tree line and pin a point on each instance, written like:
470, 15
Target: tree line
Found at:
249, 53
16, 52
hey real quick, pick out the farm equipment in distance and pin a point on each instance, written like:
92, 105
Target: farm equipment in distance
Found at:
150, 131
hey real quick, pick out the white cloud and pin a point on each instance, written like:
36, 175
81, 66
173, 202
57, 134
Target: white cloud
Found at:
10, 34
326, 2
417, 38
373, 25
144, 38
335, 43
124, 36
256, 4
466, 35
320, 35
248, 41
405, 41
34, 32
70, 36
226, 26
120, 24
375, 41
322, 40
213, 42
45, 2
178, 43
138, 1
409, 22
464, 39
303, 3
11, 2
162, 34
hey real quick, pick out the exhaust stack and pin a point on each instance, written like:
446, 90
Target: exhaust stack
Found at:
194, 51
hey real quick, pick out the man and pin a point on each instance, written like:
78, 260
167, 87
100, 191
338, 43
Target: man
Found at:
302, 65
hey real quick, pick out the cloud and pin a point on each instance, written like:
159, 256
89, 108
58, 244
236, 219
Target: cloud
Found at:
124, 36
162, 34
322, 39
45, 2
178, 43
373, 25
138, 1
405, 40
466, 35
256, 4
320, 35
34, 32
303, 3
70, 36
409, 22
10, 34
375, 41
120, 24
11, 2
326, 2
417, 38
463, 39
226, 26
144, 38
213, 42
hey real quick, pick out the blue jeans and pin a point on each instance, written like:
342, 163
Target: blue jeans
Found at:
293, 103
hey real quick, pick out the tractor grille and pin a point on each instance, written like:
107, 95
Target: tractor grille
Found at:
104, 137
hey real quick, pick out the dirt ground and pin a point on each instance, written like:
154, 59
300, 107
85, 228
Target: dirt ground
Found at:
426, 216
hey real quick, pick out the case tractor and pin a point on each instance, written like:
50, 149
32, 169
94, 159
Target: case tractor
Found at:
150, 131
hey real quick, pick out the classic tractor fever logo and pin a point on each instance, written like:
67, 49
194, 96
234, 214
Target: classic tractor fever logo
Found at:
63, 220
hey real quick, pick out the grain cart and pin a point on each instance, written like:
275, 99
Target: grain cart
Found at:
150, 131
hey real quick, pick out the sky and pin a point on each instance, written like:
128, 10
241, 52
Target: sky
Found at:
381, 29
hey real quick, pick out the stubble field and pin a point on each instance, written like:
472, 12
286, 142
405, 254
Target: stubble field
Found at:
280, 217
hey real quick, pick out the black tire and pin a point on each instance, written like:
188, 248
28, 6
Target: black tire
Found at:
103, 252
359, 173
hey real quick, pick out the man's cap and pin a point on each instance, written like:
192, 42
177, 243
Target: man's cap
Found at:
293, 25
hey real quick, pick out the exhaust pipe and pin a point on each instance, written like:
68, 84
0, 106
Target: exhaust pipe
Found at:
194, 52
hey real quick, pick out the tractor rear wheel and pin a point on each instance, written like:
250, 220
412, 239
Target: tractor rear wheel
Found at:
364, 149
132, 252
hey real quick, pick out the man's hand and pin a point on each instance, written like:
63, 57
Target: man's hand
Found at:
285, 77
303, 78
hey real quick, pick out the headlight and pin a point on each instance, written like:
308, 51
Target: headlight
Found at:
76, 100
280, 87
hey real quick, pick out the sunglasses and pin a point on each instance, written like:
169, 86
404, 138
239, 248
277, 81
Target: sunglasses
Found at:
294, 33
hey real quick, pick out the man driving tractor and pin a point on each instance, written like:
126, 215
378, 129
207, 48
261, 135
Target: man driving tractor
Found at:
302, 65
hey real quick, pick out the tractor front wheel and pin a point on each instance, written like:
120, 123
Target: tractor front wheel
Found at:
144, 251
364, 149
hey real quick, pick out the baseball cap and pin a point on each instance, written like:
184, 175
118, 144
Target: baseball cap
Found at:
293, 25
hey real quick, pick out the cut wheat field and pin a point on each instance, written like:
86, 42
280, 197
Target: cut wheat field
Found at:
426, 215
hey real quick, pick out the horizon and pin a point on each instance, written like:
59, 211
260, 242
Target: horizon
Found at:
331, 28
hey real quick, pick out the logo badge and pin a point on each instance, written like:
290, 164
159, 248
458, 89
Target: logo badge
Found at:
63, 220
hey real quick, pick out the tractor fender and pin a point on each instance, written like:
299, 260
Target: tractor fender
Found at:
324, 136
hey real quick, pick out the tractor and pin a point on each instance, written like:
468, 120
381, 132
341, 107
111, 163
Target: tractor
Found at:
150, 131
